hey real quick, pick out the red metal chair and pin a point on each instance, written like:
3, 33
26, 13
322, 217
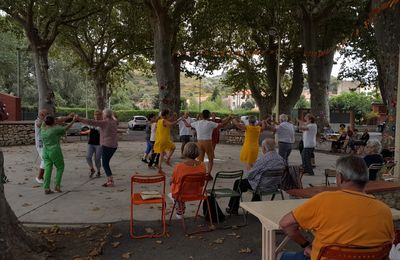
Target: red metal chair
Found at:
193, 188
136, 199
342, 252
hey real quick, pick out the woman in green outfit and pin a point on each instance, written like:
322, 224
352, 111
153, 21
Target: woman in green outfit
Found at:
52, 154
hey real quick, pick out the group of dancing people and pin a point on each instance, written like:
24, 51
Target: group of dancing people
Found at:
103, 141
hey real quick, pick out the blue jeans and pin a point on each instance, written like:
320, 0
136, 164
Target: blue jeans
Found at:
96, 150
149, 147
107, 153
306, 156
294, 256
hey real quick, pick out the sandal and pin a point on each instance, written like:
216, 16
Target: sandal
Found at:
57, 189
108, 184
48, 191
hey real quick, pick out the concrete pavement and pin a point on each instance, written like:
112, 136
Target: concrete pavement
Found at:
84, 200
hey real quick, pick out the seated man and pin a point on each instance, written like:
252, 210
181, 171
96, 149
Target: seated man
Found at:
348, 216
270, 160
359, 142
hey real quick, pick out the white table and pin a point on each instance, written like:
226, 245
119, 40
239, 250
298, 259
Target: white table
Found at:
269, 213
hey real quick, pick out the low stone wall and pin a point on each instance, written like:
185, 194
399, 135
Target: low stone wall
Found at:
391, 198
17, 133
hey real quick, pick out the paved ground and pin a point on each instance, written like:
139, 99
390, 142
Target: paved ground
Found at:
84, 200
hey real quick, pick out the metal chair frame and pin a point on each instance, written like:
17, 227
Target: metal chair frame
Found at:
226, 192
136, 200
182, 197
270, 173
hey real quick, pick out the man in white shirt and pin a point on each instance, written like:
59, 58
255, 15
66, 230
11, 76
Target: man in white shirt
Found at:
185, 133
309, 129
285, 131
204, 129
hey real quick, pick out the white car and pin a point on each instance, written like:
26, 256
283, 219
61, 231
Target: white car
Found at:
137, 122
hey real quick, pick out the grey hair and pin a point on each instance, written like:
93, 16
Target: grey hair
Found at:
191, 151
375, 145
283, 118
268, 144
252, 119
354, 169
108, 113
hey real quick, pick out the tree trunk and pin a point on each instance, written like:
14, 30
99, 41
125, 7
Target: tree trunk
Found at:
15, 242
387, 33
319, 71
99, 78
177, 73
163, 59
46, 94
287, 103
264, 107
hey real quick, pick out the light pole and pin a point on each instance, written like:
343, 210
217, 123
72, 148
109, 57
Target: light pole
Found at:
200, 96
274, 32
18, 71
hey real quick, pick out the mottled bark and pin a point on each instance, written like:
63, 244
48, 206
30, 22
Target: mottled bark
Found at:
287, 103
387, 33
45, 93
15, 242
176, 62
100, 80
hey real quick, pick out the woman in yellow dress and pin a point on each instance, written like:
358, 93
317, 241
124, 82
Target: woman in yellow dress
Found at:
250, 147
163, 144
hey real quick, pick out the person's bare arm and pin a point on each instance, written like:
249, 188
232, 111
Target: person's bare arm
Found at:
292, 229
225, 121
68, 126
62, 119
171, 123
238, 124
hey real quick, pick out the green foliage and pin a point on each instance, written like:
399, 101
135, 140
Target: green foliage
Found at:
302, 103
359, 103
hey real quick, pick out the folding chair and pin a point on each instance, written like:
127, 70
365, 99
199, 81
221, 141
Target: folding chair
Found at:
193, 188
329, 173
226, 192
373, 170
386, 173
337, 251
274, 186
136, 199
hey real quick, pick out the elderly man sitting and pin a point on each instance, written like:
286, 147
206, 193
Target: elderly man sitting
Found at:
348, 216
270, 160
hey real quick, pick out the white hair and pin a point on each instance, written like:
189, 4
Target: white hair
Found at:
283, 118
268, 144
375, 145
108, 113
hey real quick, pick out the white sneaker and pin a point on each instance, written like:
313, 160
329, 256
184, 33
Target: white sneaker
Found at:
178, 216
40, 181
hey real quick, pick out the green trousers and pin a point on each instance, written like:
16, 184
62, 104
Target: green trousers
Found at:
53, 157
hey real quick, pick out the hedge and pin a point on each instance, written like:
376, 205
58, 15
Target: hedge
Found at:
126, 115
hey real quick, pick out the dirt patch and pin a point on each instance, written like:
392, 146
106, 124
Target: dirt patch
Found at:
84, 243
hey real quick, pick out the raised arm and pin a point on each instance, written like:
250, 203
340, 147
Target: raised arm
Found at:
171, 123
225, 121
238, 124
62, 119
71, 123
99, 123
302, 126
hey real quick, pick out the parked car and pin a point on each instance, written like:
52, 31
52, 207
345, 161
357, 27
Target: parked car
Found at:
77, 128
137, 122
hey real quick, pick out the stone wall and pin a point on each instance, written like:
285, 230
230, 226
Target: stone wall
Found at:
391, 198
17, 133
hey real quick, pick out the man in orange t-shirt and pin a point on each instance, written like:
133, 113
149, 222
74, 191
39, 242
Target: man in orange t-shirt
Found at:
348, 216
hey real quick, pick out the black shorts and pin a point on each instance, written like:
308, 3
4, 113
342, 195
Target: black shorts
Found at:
185, 138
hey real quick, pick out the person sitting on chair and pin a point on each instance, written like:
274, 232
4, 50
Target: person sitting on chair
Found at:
360, 142
373, 149
189, 166
347, 216
270, 160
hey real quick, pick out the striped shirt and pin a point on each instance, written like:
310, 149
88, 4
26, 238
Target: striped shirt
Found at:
270, 161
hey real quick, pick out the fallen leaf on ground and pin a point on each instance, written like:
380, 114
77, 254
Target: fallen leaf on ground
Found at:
77, 257
36, 186
232, 234
159, 242
115, 244
149, 230
26, 205
219, 240
95, 209
238, 236
117, 235
95, 252
245, 250
235, 227
126, 255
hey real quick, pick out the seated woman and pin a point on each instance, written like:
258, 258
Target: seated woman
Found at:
189, 166
373, 149
339, 143
359, 142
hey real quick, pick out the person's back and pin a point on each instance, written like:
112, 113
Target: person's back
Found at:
181, 170
346, 217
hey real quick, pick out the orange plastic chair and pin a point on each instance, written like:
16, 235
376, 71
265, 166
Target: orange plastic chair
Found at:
136, 199
193, 188
342, 252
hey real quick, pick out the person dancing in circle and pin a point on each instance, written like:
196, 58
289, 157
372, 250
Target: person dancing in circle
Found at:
249, 152
164, 145
52, 153
108, 140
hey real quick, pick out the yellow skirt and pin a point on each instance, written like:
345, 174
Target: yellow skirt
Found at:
249, 154
163, 146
